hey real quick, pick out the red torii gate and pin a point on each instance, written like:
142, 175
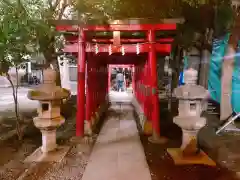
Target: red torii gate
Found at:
145, 76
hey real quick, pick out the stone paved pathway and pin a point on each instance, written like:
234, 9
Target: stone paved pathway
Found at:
118, 153
125, 97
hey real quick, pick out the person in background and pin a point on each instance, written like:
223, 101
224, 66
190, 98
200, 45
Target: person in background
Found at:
120, 80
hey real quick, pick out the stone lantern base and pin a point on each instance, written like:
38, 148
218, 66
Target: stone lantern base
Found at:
199, 158
49, 151
189, 153
54, 156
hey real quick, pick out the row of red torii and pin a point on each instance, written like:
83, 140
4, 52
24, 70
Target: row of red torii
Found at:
137, 53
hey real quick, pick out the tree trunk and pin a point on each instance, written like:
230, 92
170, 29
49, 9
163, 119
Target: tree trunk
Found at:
203, 75
226, 85
56, 68
51, 59
176, 66
47, 47
227, 71
16, 107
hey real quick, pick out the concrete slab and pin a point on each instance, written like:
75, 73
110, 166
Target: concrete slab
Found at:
118, 153
55, 156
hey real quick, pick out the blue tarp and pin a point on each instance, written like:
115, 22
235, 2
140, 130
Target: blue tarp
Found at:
181, 79
185, 66
215, 67
215, 71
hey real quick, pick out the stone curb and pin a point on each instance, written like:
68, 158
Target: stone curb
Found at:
146, 125
91, 125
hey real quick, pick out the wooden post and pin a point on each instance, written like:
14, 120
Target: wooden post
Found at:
81, 84
154, 95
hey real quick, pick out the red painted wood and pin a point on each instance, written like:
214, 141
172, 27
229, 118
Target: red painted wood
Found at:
81, 85
73, 39
147, 91
155, 115
119, 27
121, 66
129, 48
109, 78
134, 80
89, 89
96, 92
145, 77
162, 40
139, 85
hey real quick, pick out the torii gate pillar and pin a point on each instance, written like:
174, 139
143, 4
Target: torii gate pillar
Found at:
155, 115
81, 66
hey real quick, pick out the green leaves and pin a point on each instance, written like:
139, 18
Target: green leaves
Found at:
15, 34
26, 28
199, 16
224, 19
123, 9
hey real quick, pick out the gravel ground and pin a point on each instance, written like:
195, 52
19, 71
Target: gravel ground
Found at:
162, 166
72, 166
13, 152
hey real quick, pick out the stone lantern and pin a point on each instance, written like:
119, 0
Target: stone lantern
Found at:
190, 108
49, 118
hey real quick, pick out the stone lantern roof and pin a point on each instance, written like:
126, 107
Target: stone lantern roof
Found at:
48, 91
191, 92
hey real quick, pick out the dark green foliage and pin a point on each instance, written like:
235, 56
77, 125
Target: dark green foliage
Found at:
224, 19
15, 35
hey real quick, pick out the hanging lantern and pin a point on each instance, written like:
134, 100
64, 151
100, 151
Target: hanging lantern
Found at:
123, 50
138, 48
110, 49
96, 49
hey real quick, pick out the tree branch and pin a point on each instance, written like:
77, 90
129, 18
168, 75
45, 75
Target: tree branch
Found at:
62, 9
55, 5
50, 5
